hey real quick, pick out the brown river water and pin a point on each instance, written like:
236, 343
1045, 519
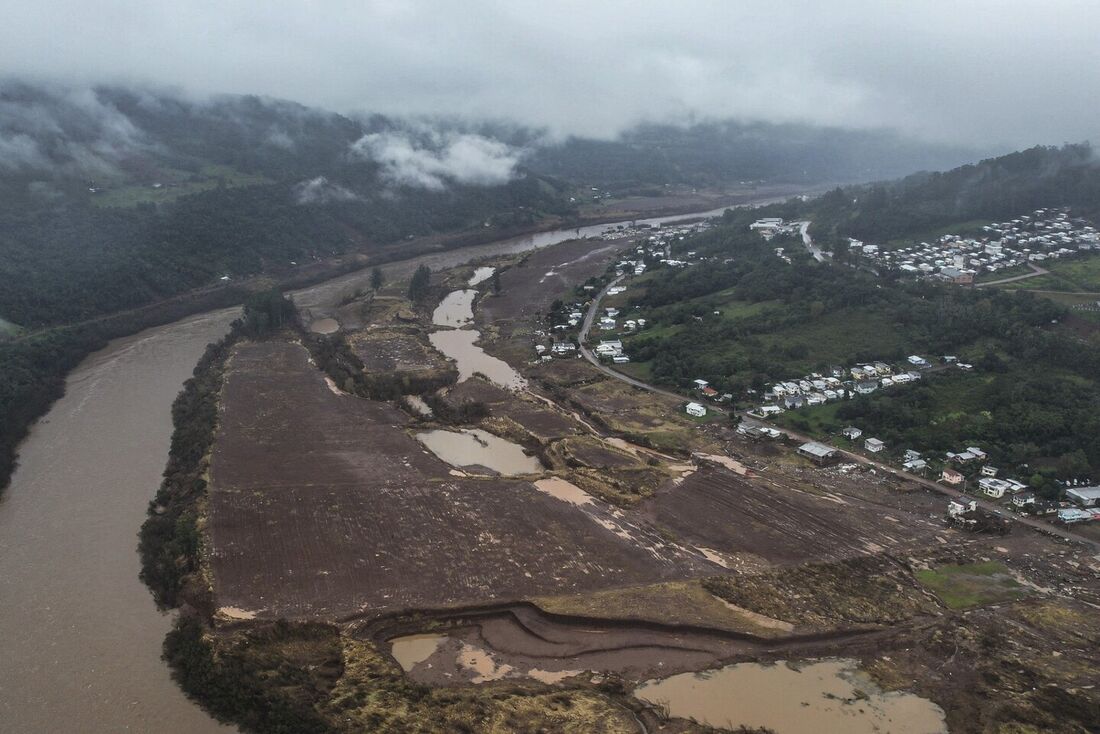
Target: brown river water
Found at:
80, 638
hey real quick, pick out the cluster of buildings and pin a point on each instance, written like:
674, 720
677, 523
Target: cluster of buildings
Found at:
610, 322
769, 227
843, 382
611, 349
1044, 234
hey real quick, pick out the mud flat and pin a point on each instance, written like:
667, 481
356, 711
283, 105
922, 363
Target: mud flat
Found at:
723, 511
814, 697
472, 447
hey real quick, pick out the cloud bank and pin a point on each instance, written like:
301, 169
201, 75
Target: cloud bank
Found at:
430, 163
321, 191
975, 71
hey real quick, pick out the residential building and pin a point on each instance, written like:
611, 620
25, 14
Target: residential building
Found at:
819, 453
695, 409
852, 433
952, 477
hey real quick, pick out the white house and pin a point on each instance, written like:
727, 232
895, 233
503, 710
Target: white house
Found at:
695, 409
874, 445
852, 433
960, 505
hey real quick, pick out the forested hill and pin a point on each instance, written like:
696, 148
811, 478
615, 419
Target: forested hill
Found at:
715, 152
994, 189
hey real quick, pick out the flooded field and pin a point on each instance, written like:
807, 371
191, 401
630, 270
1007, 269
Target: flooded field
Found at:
459, 345
456, 310
472, 447
820, 697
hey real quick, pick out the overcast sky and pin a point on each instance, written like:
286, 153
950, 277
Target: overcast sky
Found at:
1002, 71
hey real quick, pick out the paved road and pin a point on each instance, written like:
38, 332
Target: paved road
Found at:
814, 250
848, 455
1035, 270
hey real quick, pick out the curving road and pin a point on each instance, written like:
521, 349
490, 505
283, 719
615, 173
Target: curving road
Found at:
1035, 270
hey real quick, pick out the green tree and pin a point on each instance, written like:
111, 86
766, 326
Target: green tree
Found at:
420, 284
377, 279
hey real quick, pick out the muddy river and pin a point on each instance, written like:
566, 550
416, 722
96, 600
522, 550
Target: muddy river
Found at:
81, 638
813, 697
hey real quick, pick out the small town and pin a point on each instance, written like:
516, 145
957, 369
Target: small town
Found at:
1045, 234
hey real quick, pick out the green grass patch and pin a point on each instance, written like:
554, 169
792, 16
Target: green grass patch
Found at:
1074, 275
819, 421
638, 370
837, 337
210, 177
972, 584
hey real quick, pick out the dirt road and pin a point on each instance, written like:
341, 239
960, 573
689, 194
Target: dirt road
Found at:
1035, 270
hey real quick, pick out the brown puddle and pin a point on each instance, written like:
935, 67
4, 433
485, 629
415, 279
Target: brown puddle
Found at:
472, 447
324, 326
564, 491
817, 697
410, 650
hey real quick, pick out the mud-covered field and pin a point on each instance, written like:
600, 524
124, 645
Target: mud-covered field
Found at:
323, 505
758, 518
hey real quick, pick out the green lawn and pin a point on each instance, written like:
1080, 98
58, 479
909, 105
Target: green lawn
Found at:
210, 177
972, 584
818, 421
1075, 275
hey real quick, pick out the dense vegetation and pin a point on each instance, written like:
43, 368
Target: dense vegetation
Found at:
744, 318
714, 153
992, 190
169, 538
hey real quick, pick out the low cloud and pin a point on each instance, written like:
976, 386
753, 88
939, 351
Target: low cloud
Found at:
321, 191
62, 129
20, 151
431, 161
